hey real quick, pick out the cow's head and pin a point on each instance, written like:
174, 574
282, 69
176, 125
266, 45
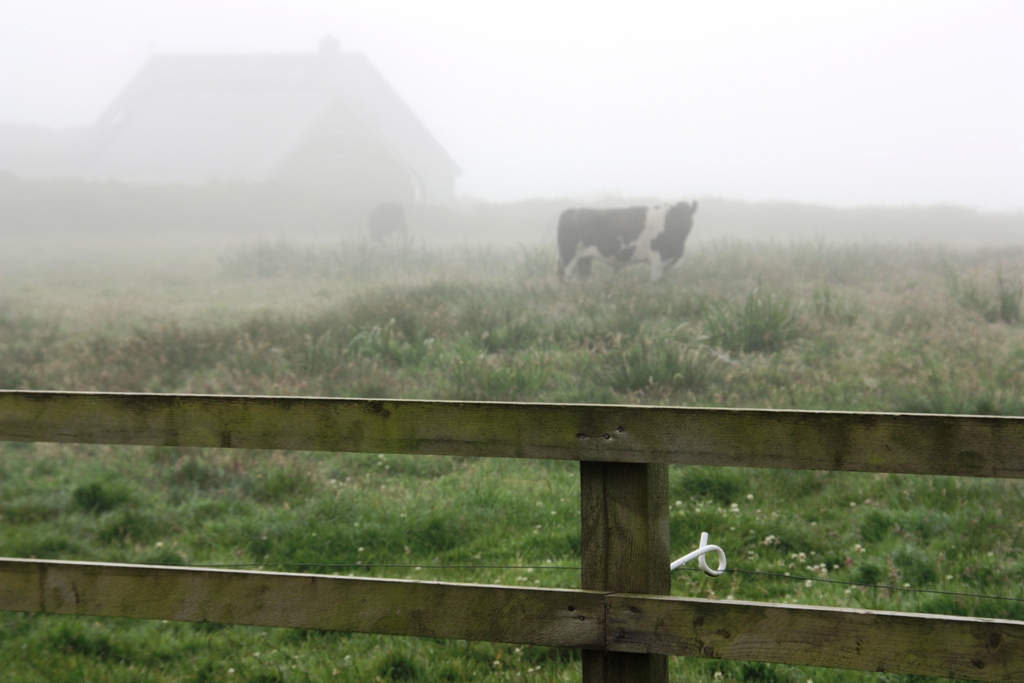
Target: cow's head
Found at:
681, 214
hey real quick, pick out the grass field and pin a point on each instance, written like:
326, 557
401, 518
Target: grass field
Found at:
802, 325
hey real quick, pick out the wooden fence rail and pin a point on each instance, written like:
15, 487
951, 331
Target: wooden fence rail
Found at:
956, 647
623, 620
816, 440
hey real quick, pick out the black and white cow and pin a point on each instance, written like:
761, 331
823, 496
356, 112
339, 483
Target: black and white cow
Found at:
620, 236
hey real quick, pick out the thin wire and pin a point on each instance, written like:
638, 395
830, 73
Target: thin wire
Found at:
549, 566
392, 566
865, 585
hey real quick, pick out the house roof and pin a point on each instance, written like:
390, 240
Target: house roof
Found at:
191, 118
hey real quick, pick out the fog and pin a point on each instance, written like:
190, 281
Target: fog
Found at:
863, 105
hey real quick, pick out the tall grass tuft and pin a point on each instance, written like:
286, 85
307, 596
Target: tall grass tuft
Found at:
1004, 306
830, 307
24, 342
947, 398
766, 322
647, 364
472, 375
389, 342
1010, 295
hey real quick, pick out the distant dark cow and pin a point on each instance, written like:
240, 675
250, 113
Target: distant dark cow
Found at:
620, 236
387, 220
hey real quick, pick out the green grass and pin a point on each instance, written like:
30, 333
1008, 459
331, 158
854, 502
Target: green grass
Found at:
761, 325
1001, 304
766, 322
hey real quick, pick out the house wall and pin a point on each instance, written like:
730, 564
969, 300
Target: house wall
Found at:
341, 156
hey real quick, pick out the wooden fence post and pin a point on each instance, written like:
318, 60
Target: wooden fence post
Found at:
624, 549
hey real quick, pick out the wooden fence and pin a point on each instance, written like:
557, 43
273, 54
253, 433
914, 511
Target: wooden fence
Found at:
624, 620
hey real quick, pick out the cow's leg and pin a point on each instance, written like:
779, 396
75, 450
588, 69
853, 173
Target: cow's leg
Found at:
657, 267
569, 270
577, 265
580, 262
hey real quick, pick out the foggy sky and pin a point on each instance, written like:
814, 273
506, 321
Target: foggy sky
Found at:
870, 103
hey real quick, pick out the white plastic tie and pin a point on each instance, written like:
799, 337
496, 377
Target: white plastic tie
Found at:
699, 555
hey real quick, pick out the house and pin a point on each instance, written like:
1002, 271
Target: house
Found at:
326, 121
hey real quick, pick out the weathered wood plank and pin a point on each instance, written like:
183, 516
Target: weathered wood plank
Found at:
927, 645
537, 616
931, 645
864, 442
624, 549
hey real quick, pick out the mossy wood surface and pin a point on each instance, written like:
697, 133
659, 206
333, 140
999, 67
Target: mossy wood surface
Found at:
921, 644
625, 549
863, 442
537, 616
958, 647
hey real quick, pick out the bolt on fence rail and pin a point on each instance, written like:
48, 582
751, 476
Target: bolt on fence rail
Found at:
623, 619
